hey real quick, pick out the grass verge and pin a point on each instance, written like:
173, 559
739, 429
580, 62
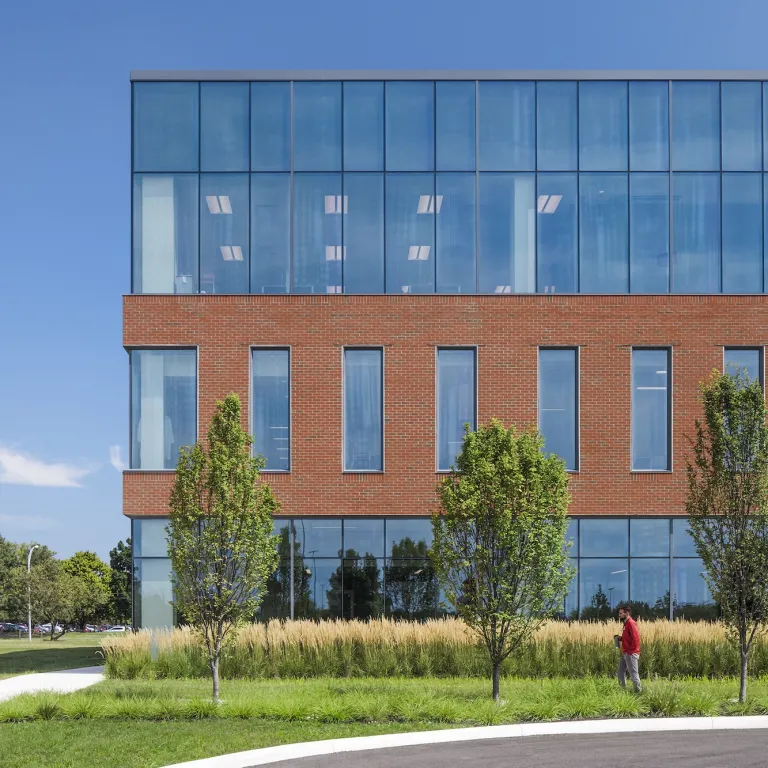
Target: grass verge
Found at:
19, 656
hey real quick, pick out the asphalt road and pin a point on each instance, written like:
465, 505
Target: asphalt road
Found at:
683, 749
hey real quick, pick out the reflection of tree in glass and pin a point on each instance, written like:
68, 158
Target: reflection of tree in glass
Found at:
410, 585
355, 587
277, 602
599, 607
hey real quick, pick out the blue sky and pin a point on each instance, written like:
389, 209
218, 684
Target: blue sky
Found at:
64, 184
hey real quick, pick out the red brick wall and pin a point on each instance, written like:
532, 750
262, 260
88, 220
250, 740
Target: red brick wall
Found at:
506, 330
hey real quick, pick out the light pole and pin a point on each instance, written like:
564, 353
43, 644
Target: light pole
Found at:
29, 591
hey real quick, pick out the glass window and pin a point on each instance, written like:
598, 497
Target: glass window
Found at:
604, 538
163, 406
410, 126
456, 402
363, 266
318, 537
317, 126
411, 590
363, 410
572, 596
742, 117
507, 120
363, 588
603, 126
408, 537
364, 126
557, 232
649, 588
558, 403
165, 231
691, 595
410, 232
736, 359
649, 538
650, 409
696, 240
572, 536
224, 248
364, 537
270, 232
149, 537
455, 139
455, 214
270, 126
507, 233
742, 233
224, 129
319, 593
649, 232
317, 247
682, 543
166, 126
649, 126
695, 126
277, 595
556, 130
271, 407
153, 593
603, 586
603, 233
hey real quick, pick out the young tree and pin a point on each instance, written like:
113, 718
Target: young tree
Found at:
728, 505
92, 578
52, 592
220, 532
121, 574
500, 543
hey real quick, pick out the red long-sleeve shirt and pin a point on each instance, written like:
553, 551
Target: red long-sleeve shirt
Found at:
630, 637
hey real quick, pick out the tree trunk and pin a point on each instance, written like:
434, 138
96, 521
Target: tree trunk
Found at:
743, 685
215, 676
496, 670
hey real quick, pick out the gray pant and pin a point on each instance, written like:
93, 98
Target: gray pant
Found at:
628, 664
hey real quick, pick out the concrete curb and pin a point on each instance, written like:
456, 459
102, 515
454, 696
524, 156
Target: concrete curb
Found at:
66, 681
269, 755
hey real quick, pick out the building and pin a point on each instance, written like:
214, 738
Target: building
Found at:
372, 259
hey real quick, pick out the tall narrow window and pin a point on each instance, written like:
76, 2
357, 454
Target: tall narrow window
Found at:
363, 410
738, 359
271, 407
558, 404
456, 402
651, 374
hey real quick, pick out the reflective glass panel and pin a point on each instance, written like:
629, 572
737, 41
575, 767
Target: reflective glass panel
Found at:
603, 586
558, 403
507, 124
408, 537
165, 232
317, 126
603, 126
163, 406
507, 233
650, 409
572, 536
319, 537
364, 233
319, 595
270, 126
455, 204
696, 240
363, 588
695, 127
742, 233
149, 538
224, 129
572, 596
604, 538
271, 407
363, 410
455, 126
649, 538
410, 126
692, 598
738, 358
276, 603
153, 594
682, 543
317, 247
456, 402
270, 232
410, 232
557, 232
364, 537
648, 126
165, 126
742, 126
363, 126
224, 247
556, 130
411, 590
649, 588
649, 232
603, 233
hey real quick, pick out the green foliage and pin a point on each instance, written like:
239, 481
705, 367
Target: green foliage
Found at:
91, 587
728, 504
499, 543
121, 574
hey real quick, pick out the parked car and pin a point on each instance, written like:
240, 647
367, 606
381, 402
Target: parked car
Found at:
45, 629
116, 628
91, 628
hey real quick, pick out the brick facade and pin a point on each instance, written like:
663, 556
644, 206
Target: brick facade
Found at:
506, 330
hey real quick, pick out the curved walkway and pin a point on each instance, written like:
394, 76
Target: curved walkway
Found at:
66, 681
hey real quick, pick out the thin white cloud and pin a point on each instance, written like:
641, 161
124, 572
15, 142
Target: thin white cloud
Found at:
29, 523
17, 468
116, 458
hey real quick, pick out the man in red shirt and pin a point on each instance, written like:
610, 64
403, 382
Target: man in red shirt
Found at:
629, 642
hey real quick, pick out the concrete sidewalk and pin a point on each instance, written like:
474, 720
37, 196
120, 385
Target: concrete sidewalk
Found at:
67, 681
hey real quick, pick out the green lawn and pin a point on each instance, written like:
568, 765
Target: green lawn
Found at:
76, 649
